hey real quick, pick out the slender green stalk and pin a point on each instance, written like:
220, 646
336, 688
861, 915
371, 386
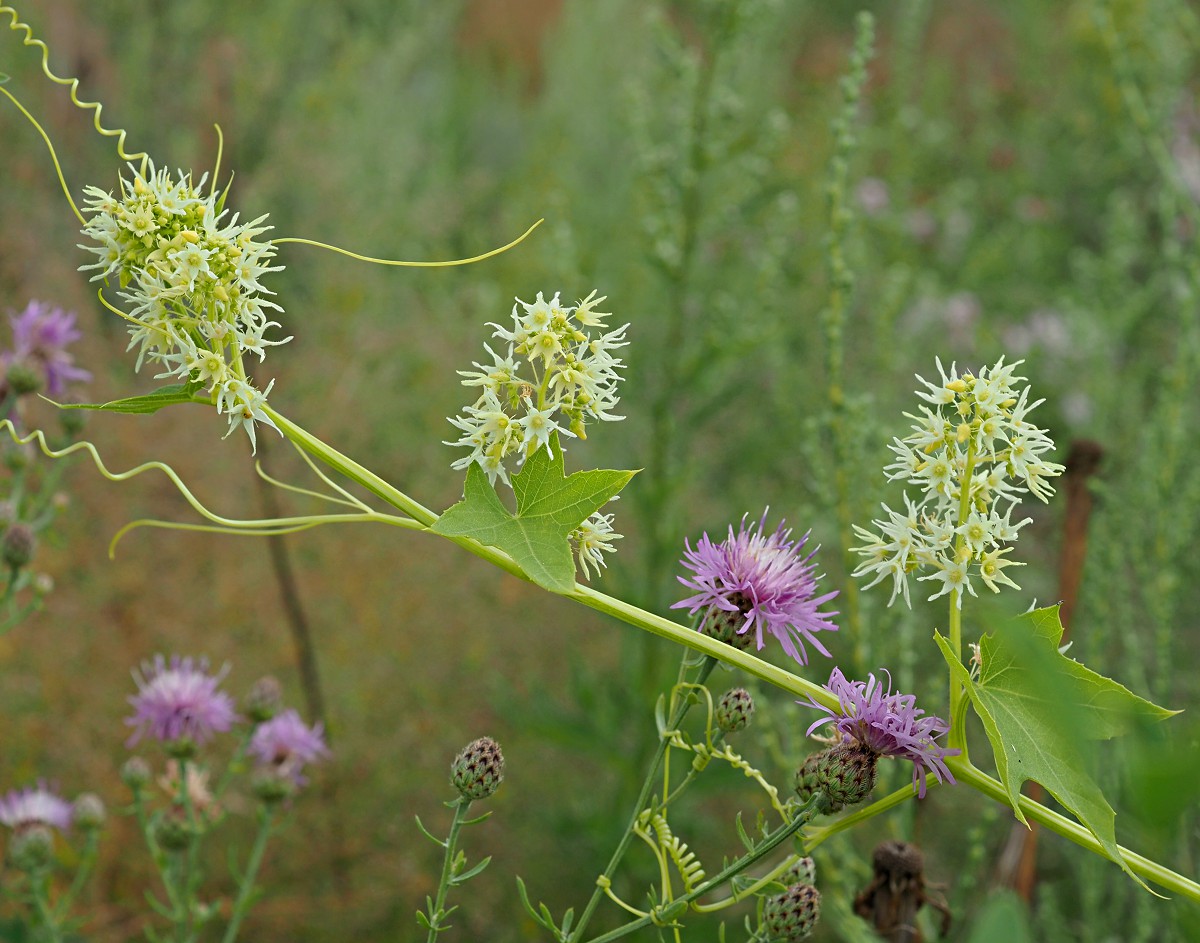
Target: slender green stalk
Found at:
461, 806
773, 841
958, 734
87, 862
639, 804
241, 906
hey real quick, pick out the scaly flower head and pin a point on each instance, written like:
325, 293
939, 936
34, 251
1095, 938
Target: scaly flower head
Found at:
888, 724
285, 744
35, 805
970, 457
192, 280
41, 334
762, 581
178, 703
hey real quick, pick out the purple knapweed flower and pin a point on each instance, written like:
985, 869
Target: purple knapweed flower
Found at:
179, 701
285, 744
764, 582
35, 805
41, 334
889, 724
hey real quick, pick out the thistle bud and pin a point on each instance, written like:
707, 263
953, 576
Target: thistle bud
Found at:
89, 812
844, 773
735, 710
173, 832
31, 848
19, 545
478, 770
791, 916
136, 773
723, 626
270, 787
264, 700
23, 377
803, 871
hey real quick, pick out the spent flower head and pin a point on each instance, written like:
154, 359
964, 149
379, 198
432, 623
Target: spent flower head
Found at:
556, 373
41, 334
34, 806
190, 277
178, 702
763, 582
887, 723
971, 455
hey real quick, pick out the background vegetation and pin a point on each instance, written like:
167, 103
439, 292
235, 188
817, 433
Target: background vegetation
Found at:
1022, 180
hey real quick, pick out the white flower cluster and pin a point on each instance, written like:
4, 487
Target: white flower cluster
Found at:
974, 433
572, 378
191, 280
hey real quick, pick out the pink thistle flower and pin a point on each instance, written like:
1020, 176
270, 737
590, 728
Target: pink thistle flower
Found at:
888, 724
764, 581
41, 334
35, 805
179, 701
285, 744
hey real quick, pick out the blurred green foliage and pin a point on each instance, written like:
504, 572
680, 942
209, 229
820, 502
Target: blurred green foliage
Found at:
1024, 182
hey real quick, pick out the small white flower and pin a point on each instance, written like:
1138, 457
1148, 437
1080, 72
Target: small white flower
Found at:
953, 576
592, 539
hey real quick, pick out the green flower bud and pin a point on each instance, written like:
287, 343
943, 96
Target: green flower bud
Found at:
18, 457
735, 710
89, 812
723, 626
479, 769
791, 916
173, 832
803, 871
31, 848
270, 787
23, 377
136, 773
19, 545
845, 774
264, 700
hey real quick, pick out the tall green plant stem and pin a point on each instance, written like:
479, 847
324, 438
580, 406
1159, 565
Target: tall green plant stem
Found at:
460, 816
241, 906
639, 804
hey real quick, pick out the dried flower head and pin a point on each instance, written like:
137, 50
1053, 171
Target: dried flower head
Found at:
178, 703
285, 744
41, 334
764, 582
35, 805
888, 724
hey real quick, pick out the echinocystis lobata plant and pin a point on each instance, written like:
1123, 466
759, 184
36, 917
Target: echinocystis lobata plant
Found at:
190, 282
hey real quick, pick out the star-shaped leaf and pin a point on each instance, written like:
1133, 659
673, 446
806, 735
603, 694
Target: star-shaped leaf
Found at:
1040, 709
549, 506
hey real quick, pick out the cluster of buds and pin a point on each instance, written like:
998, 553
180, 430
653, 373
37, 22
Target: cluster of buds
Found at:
972, 454
191, 280
572, 379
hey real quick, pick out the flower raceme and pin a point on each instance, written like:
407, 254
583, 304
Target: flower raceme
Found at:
553, 377
191, 279
971, 454
753, 583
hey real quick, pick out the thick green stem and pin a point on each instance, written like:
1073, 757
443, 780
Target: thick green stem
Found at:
968, 775
958, 734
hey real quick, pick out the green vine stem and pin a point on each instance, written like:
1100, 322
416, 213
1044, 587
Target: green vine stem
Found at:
241, 906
